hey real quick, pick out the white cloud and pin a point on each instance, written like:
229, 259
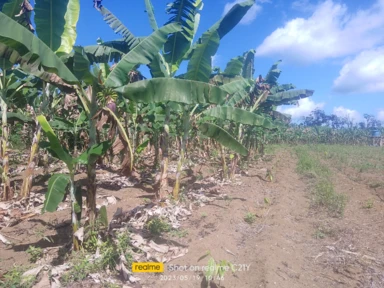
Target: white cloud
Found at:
330, 32
363, 74
380, 115
303, 6
352, 115
251, 14
215, 60
303, 109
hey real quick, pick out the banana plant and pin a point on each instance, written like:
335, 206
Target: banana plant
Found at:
178, 47
58, 183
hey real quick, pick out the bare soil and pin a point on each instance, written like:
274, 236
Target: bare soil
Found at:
289, 244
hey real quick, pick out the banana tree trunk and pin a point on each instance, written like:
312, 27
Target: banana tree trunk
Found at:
184, 139
91, 167
155, 140
234, 162
223, 163
6, 185
74, 212
163, 181
28, 177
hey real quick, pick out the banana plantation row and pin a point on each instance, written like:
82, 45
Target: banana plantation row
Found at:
89, 103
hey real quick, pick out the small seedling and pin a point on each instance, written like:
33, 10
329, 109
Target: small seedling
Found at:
250, 218
319, 234
146, 201
269, 175
35, 253
217, 269
204, 215
157, 226
368, 204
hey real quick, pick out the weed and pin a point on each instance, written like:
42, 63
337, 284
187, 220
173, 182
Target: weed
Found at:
112, 250
157, 226
319, 234
204, 215
250, 218
368, 204
323, 190
146, 201
178, 233
326, 196
35, 253
82, 267
322, 232
217, 269
13, 279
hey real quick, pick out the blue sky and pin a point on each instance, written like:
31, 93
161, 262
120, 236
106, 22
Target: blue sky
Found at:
333, 47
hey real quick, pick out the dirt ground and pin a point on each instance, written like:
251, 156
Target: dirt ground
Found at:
289, 243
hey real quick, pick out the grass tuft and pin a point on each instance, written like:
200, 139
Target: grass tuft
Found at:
324, 194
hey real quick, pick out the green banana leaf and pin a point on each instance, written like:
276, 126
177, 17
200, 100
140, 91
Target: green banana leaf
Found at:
234, 66
286, 118
81, 66
143, 53
273, 74
151, 14
238, 89
55, 145
248, 67
240, 84
12, 116
119, 28
286, 97
119, 45
62, 124
240, 116
68, 37
57, 186
178, 44
280, 88
158, 67
18, 45
103, 54
223, 137
95, 150
14, 10
199, 66
11, 7
56, 23
171, 89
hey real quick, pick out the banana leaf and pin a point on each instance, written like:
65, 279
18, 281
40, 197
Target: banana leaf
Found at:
119, 28
240, 116
234, 66
18, 45
178, 44
143, 53
287, 97
248, 65
151, 14
57, 186
200, 64
223, 137
56, 23
159, 90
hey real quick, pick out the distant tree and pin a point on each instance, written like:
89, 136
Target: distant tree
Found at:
316, 118
372, 122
